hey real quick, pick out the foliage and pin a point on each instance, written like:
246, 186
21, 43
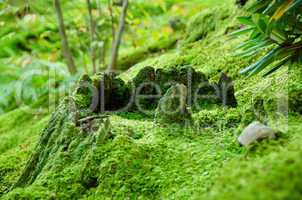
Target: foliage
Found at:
38, 84
274, 25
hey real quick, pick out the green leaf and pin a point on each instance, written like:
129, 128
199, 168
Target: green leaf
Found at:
255, 49
277, 66
242, 31
246, 21
266, 60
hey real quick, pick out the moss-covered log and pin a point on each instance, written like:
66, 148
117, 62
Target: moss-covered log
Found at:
66, 135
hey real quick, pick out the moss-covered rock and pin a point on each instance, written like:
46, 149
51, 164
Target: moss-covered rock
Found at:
84, 92
226, 91
62, 156
173, 105
185, 75
145, 75
112, 93
62, 138
200, 25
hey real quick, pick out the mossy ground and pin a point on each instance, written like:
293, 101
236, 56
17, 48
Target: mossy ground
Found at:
147, 160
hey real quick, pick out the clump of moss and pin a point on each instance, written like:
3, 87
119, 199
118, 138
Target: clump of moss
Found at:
103, 93
18, 134
223, 118
84, 92
295, 89
156, 82
137, 55
203, 23
173, 107
200, 25
63, 143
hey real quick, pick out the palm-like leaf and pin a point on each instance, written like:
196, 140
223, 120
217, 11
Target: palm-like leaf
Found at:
275, 23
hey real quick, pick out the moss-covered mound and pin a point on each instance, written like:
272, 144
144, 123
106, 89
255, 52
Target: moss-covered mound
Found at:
86, 154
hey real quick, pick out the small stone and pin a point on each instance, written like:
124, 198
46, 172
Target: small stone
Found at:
254, 132
173, 105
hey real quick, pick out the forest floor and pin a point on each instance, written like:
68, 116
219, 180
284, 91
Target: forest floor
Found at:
148, 160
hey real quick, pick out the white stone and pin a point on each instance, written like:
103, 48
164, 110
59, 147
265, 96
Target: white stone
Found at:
254, 132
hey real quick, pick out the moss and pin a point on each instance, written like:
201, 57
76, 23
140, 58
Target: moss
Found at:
103, 93
223, 118
205, 22
275, 172
42, 151
62, 143
143, 160
16, 144
181, 74
115, 91
295, 89
200, 25
137, 55
83, 94
172, 107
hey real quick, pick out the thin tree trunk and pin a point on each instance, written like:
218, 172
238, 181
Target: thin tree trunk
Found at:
92, 36
65, 46
112, 20
118, 37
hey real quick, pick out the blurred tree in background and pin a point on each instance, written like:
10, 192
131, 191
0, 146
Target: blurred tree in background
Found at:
30, 40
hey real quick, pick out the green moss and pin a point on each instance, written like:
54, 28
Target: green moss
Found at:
223, 118
84, 92
270, 175
172, 107
137, 55
142, 160
17, 142
295, 89
205, 22
200, 25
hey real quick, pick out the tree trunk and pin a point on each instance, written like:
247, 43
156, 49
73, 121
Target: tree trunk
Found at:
112, 20
92, 36
118, 37
65, 47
